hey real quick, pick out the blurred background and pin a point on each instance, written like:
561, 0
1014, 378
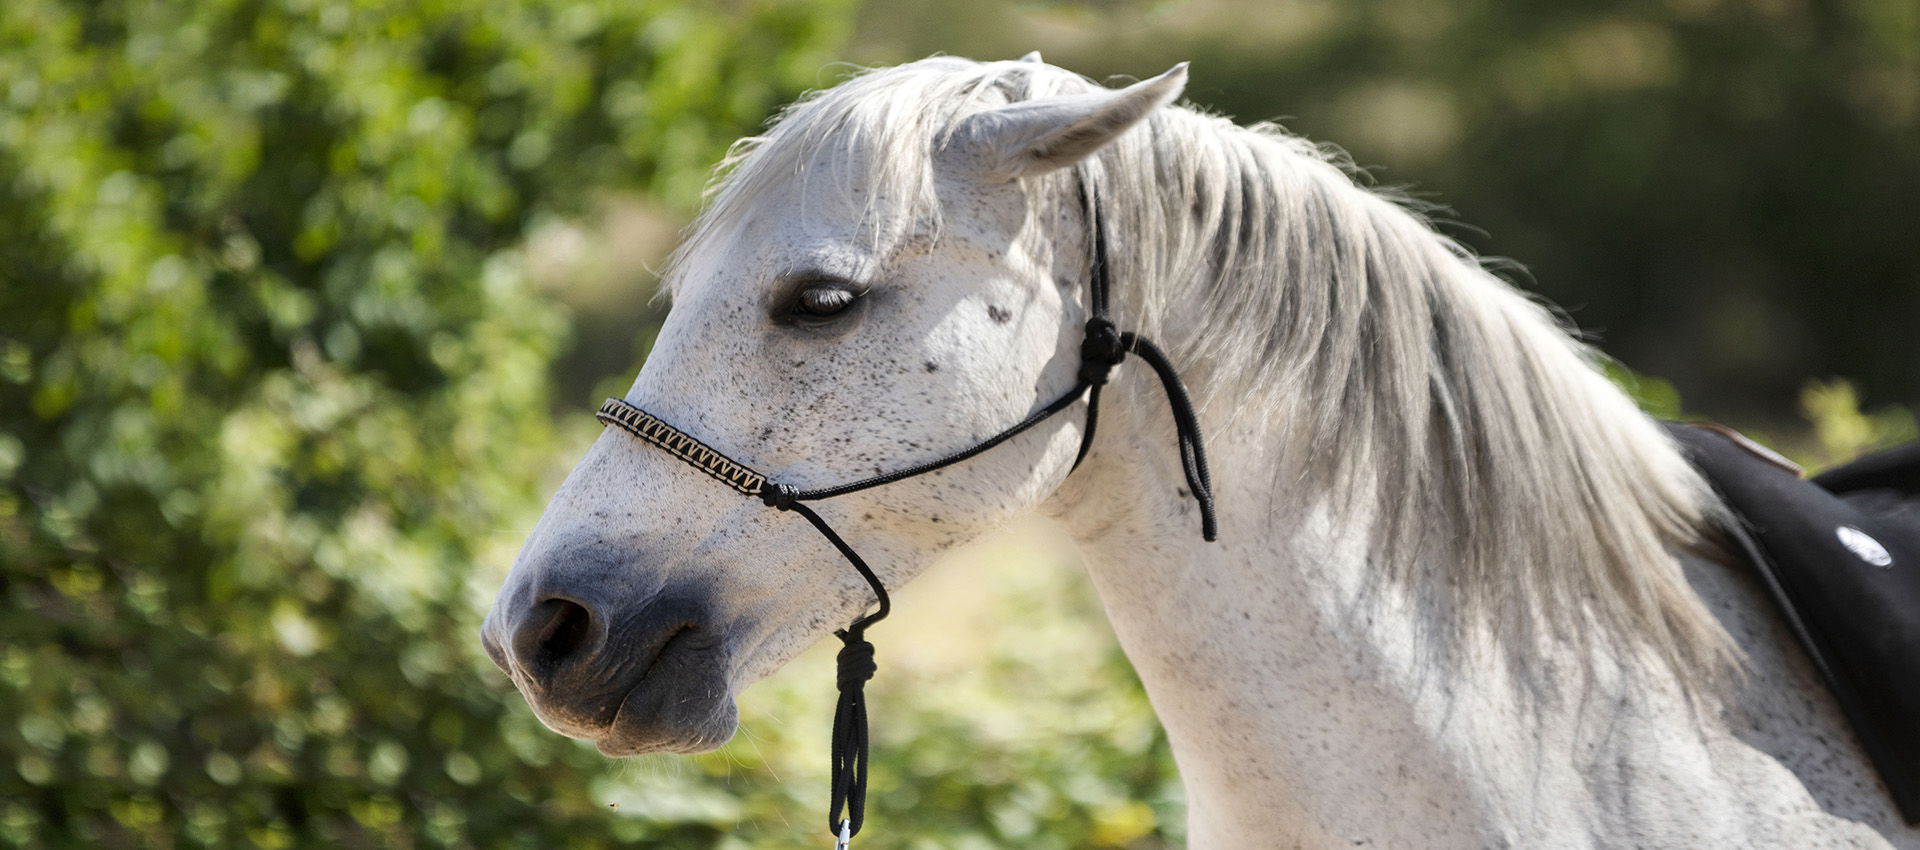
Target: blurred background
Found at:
305, 306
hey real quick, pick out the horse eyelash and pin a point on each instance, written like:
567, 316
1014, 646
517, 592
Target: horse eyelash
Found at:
825, 300
793, 310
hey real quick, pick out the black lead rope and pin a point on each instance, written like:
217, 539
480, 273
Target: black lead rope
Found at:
1104, 347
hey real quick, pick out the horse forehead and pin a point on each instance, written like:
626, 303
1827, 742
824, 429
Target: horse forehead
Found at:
884, 198
771, 250
848, 213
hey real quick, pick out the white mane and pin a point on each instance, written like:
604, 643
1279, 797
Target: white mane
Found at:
1460, 417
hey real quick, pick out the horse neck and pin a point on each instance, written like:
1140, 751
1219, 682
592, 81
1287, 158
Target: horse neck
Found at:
1306, 704
1311, 693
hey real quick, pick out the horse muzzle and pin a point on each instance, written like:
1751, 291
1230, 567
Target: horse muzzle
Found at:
632, 668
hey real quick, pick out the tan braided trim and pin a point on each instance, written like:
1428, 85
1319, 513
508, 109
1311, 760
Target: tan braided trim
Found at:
642, 424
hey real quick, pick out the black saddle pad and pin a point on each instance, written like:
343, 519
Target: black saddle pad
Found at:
1840, 553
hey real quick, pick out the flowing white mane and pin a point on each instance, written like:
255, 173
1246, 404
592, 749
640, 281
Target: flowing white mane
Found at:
1457, 416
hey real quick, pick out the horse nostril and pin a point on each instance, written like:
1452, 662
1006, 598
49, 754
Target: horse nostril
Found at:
567, 629
553, 633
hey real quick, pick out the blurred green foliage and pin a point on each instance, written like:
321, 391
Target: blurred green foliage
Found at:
272, 383
1842, 430
1834, 428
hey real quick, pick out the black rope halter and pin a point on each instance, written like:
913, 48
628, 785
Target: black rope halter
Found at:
1104, 347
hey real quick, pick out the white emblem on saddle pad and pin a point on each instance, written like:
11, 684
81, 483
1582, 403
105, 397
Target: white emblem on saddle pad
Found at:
1861, 544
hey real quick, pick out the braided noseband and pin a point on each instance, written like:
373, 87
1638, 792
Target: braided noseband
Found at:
1104, 347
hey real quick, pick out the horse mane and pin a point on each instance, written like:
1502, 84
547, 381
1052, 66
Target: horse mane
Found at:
1460, 418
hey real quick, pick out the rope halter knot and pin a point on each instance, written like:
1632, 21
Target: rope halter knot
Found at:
779, 497
1100, 351
854, 665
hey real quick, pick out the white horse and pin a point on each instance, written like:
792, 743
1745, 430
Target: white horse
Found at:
1452, 604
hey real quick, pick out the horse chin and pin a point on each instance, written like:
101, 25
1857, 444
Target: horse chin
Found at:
635, 734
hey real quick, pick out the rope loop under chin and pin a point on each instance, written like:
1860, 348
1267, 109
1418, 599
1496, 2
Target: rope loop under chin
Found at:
850, 747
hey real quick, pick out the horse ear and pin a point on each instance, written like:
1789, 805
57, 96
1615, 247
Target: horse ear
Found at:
1038, 136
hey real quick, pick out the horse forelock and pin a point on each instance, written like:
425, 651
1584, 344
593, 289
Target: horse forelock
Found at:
1471, 432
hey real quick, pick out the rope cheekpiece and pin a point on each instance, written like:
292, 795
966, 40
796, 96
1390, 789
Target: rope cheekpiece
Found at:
1103, 348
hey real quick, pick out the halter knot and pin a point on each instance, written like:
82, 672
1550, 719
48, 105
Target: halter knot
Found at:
779, 497
855, 662
1100, 351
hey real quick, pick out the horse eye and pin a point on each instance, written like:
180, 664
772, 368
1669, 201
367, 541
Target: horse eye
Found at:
824, 301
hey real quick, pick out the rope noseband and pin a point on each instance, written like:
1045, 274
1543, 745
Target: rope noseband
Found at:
1103, 348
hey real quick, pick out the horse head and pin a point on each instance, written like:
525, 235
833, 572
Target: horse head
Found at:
894, 272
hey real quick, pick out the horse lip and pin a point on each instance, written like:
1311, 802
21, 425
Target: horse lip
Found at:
627, 695
626, 735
